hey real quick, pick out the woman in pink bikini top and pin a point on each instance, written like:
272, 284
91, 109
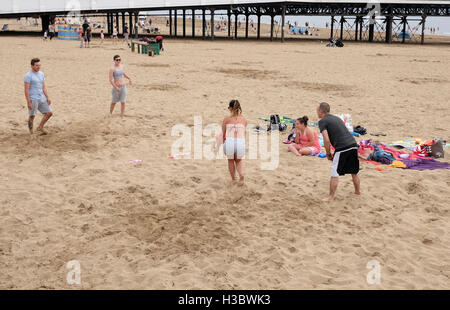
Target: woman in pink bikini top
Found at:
306, 140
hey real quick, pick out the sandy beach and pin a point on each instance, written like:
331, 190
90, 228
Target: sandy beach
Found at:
160, 223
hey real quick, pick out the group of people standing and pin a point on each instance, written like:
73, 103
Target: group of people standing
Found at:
37, 97
50, 32
85, 34
335, 133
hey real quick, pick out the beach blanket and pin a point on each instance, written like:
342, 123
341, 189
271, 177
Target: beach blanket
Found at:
424, 164
409, 144
413, 161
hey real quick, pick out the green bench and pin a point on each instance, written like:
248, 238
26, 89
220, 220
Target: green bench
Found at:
145, 48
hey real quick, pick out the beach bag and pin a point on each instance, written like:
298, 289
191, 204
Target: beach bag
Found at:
339, 43
361, 130
275, 122
437, 149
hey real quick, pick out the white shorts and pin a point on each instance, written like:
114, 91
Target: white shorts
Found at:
234, 146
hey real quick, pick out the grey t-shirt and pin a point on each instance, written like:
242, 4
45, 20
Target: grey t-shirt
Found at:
340, 137
36, 81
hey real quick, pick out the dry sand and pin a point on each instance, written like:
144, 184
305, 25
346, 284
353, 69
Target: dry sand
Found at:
168, 224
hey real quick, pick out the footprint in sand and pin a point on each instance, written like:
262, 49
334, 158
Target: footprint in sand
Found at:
196, 180
83, 209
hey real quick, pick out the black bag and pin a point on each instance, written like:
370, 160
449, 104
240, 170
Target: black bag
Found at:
361, 130
274, 122
339, 43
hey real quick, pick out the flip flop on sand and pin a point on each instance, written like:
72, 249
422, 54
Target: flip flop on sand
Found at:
378, 134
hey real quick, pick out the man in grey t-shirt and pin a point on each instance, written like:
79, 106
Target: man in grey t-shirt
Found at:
37, 96
345, 157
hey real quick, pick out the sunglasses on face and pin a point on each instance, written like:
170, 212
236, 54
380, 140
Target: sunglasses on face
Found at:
118, 59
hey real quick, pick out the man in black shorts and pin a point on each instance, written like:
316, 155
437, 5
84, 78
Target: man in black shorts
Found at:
345, 157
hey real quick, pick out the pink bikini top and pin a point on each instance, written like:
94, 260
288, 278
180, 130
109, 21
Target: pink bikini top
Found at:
303, 139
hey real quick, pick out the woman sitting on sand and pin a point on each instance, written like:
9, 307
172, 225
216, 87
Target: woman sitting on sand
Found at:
234, 127
306, 140
119, 91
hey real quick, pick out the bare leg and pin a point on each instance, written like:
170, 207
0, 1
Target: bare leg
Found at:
305, 151
293, 148
111, 109
356, 183
43, 121
30, 124
232, 168
122, 109
334, 181
240, 169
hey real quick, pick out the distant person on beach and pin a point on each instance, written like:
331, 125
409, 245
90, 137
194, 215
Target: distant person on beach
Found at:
125, 33
345, 157
115, 35
85, 27
37, 96
87, 38
159, 39
306, 140
102, 37
119, 90
45, 35
80, 37
233, 135
51, 30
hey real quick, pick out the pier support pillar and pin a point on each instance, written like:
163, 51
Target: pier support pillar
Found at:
203, 24
271, 26
258, 35
422, 39
212, 24
332, 27
283, 17
170, 23
175, 25
229, 23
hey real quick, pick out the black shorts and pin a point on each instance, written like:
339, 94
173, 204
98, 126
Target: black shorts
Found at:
345, 162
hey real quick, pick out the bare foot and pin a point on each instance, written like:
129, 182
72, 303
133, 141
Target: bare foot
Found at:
241, 181
328, 199
357, 193
41, 131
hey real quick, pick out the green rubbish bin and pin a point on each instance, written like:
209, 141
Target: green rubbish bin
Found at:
154, 47
145, 49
